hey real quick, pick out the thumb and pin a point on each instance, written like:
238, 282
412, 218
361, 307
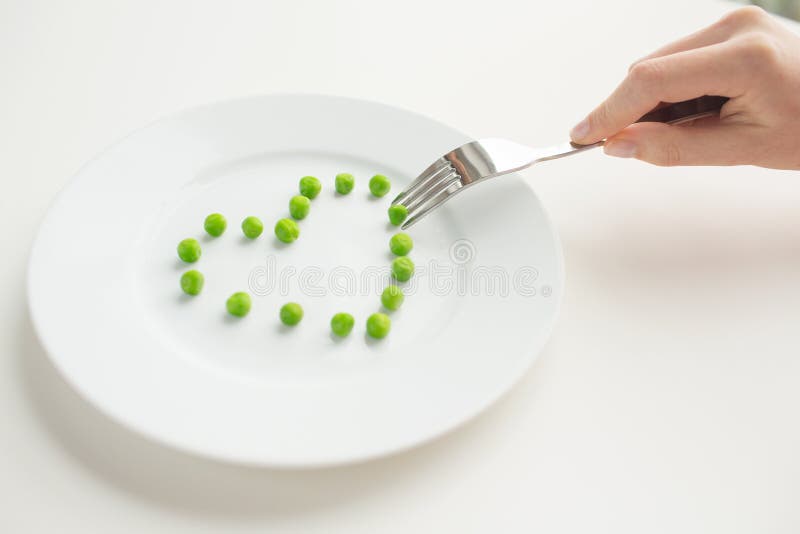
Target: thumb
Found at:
707, 142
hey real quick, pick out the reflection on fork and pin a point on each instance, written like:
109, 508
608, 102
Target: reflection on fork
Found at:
480, 160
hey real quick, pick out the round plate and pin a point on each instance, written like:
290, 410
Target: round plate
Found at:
105, 298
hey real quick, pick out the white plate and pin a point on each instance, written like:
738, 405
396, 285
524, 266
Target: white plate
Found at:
104, 295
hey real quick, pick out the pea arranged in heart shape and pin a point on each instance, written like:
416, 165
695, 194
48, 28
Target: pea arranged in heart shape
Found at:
287, 230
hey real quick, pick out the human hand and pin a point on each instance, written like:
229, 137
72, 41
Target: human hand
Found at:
747, 56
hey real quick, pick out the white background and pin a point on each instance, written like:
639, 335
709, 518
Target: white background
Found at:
667, 399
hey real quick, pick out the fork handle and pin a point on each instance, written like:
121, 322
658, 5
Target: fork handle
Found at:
688, 110
668, 113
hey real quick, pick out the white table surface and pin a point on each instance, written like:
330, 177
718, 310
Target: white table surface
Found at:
667, 399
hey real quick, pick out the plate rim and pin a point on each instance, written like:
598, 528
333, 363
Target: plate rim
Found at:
117, 418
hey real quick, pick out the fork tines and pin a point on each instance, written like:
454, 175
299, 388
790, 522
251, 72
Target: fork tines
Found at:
435, 185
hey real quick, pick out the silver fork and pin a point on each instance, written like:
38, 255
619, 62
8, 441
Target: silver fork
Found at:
480, 160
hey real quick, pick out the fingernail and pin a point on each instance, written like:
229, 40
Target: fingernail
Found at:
580, 130
621, 149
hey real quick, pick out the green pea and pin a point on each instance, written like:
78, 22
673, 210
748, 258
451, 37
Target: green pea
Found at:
401, 244
238, 304
397, 214
379, 185
392, 298
192, 282
344, 183
310, 187
287, 230
189, 250
402, 268
299, 206
215, 224
342, 324
291, 313
378, 325
252, 227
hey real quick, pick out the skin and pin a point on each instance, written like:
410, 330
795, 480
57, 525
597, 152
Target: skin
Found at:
401, 244
402, 269
291, 313
192, 282
392, 298
215, 224
252, 227
299, 206
342, 324
286, 230
344, 183
379, 185
378, 325
397, 214
189, 250
310, 187
238, 304
747, 56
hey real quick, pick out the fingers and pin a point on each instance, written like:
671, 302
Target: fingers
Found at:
720, 60
712, 70
714, 34
705, 143
719, 32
